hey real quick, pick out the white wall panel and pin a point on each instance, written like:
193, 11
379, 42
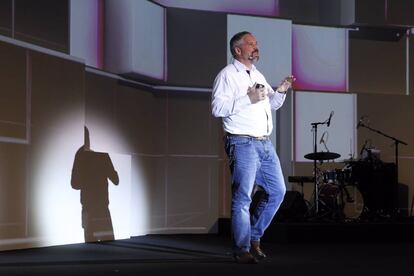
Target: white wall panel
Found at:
258, 7
134, 38
85, 31
311, 107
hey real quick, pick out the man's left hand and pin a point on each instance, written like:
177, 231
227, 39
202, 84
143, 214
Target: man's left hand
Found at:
286, 84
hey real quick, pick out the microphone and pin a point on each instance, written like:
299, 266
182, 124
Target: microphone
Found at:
364, 147
330, 117
322, 141
360, 122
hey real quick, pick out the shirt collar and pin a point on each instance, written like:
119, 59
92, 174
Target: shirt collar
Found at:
241, 67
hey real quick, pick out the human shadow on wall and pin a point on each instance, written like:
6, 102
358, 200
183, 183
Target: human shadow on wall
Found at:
90, 173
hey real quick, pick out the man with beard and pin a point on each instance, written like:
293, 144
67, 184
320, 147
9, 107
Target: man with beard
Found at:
244, 100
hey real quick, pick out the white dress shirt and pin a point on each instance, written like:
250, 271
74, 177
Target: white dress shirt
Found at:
231, 102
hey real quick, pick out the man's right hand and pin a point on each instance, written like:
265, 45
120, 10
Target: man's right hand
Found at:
256, 94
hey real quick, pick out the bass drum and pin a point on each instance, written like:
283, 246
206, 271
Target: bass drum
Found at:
341, 201
352, 202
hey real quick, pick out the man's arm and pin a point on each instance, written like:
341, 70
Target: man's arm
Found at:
277, 98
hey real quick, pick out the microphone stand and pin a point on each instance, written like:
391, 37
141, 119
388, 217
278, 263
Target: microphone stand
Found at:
315, 138
396, 142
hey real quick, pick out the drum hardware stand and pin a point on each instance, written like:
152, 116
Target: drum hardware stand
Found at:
396, 142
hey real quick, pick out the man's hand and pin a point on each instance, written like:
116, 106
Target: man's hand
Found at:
286, 84
256, 94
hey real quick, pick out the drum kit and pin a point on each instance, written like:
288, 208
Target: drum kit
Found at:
336, 196
340, 194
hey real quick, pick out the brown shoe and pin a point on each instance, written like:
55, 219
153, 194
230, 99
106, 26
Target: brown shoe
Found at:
256, 251
244, 258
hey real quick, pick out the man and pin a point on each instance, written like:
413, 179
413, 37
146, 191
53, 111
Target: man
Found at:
244, 99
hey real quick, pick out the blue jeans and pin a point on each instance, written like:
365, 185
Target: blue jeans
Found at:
253, 161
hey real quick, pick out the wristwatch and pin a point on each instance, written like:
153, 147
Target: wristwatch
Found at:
281, 92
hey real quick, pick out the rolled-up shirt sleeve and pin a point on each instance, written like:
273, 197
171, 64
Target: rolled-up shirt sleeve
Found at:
226, 100
276, 99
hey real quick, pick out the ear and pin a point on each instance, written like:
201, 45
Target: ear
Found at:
237, 50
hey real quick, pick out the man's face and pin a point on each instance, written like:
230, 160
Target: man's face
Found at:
248, 50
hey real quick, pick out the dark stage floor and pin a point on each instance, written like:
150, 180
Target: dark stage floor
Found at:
210, 255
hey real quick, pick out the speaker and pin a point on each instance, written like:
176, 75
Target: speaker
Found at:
293, 208
377, 182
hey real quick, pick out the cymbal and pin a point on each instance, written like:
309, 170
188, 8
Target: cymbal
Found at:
322, 155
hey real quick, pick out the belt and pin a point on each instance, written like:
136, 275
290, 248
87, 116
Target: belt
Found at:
265, 137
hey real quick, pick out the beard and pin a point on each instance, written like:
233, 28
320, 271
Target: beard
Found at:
254, 57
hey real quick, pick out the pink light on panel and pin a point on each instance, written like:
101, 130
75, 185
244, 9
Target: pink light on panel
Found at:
319, 58
258, 7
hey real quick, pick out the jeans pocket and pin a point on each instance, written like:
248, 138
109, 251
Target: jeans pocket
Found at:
229, 148
235, 147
